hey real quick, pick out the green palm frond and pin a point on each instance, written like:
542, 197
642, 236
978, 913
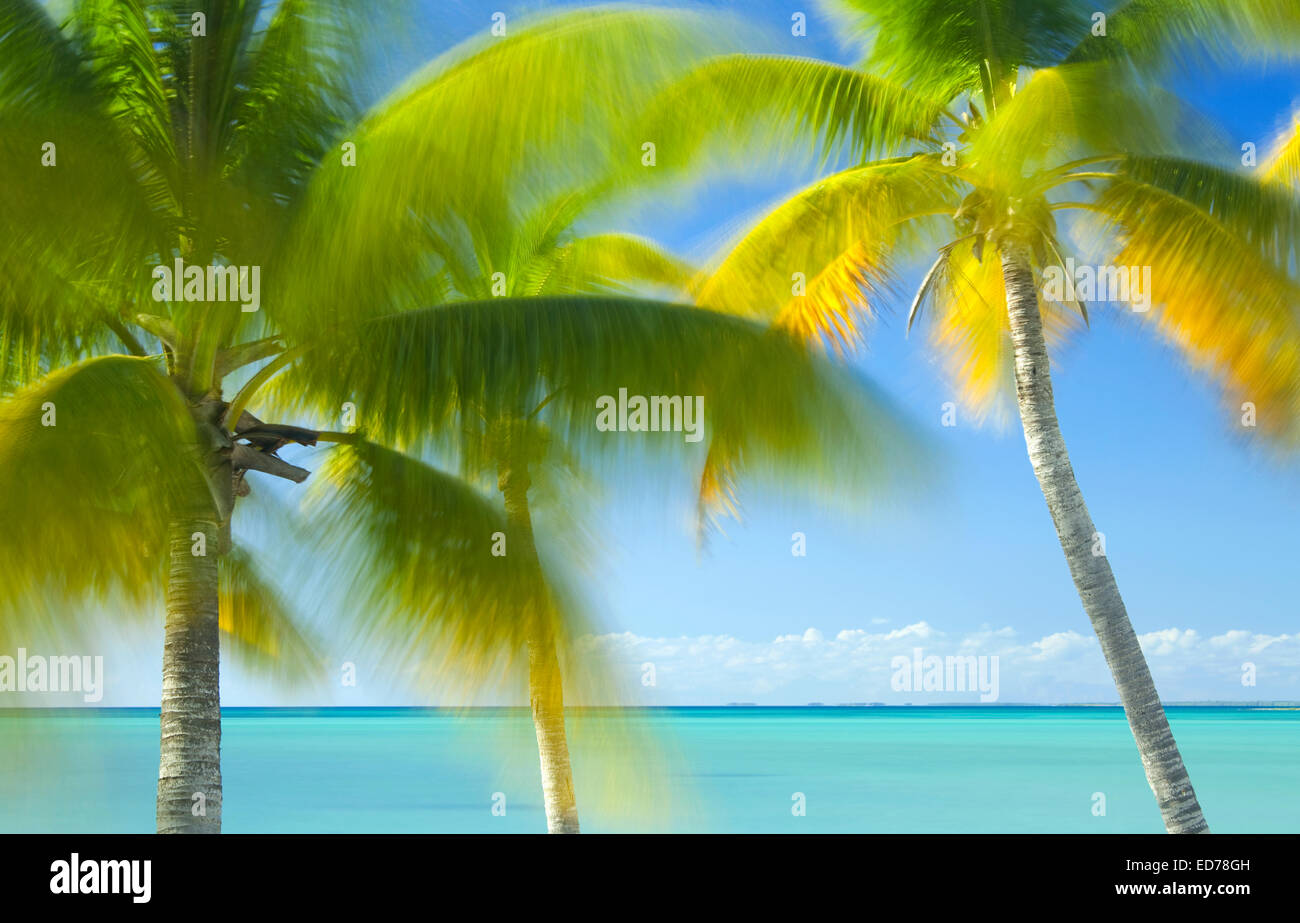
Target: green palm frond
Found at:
212, 71
1167, 34
117, 39
786, 106
414, 546
40, 69
538, 250
45, 321
944, 48
1078, 111
94, 465
70, 201
549, 64
785, 414
296, 100
527, 130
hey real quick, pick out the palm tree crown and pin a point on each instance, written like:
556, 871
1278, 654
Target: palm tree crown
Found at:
989, 121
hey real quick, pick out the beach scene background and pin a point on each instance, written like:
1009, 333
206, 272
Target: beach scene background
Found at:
379, 643
934, 769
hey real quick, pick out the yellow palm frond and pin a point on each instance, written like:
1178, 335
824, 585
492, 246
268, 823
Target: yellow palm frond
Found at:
965, 297
258, 625
1282, 163
1075, 111
610, 261
818, 262
717, 494
1216, 292
970, 330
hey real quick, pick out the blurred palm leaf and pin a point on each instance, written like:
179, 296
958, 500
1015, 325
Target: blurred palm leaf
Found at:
1166, 34
786, 106
364, 239
260, 628
842, 235
90, 495
609, 261
945, 48
413, 546
1216, 241
1282, 164
1076, 111
411, 374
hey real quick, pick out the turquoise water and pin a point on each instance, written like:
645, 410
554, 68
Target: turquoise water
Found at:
1004, 769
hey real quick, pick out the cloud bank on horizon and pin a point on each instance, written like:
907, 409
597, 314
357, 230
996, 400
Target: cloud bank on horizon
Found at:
859, 665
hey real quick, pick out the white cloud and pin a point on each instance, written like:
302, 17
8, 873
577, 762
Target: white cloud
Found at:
828, 664
854, 665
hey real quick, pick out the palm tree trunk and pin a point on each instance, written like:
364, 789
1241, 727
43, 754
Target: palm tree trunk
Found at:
189, 762
545, 684
190, 747
1091, 572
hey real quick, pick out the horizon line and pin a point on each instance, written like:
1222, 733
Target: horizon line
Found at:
8, 711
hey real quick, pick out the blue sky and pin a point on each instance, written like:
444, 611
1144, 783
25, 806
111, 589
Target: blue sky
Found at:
1200, 527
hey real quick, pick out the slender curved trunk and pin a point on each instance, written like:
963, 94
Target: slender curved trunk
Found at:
1091, 572
545, 684
189, 766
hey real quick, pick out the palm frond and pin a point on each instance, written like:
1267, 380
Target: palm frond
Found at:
1164, 35
610, 261
117, 39
788, 418
786, 106
1217, 292
296, 97
966, 309
413, 546
363, 243
944, 48
96, 458
839, 237
1077, 111
1282, 163
258, 625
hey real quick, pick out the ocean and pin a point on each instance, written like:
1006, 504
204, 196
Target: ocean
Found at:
1002, 769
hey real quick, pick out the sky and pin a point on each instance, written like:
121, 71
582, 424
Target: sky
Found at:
1199, 525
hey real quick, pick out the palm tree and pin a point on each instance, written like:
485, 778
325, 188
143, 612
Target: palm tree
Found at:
225, 139
565, 331
1000, 116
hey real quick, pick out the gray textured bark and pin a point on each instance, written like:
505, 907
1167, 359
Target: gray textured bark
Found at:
1091, 572
545, 684
190, 745
189, 761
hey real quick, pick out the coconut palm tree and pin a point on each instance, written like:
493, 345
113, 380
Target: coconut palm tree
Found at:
970, 128
564, 332
165, 159
138, 134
